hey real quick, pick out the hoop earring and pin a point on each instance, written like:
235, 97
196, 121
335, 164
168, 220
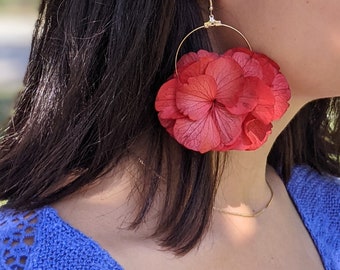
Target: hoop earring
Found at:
222, 102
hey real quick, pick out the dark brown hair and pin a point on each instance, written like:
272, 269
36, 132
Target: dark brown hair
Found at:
94, 71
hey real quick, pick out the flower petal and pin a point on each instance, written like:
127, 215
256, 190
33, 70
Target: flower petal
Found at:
206, 54
223, 103
166, 100
168, 124
195, 98
281, 94
228, 76
244, 57
193, 70
269, 68
201, 136
247, 98
187, 59
264, 109
228, 125
257, 132
254, 134
255, 64
194, 64
191, 57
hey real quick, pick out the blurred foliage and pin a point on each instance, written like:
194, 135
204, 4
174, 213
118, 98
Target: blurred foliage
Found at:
15, 8
6, 104
19, 6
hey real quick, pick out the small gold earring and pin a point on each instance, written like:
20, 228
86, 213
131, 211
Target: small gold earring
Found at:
211, 23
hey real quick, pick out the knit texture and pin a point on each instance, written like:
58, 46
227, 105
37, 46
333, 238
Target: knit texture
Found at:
317, 199
41, 240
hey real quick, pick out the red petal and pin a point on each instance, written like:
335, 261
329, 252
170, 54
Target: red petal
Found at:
205, 54
201, 136
281, 93
194, 64
264, 109
231, 52
253, 135
269, 68
228, 76
257, 132
193, 70
255, 64
166, 100
195, 98
191, 57
168, 124
187, 59
228, 125
249, 65
247, 99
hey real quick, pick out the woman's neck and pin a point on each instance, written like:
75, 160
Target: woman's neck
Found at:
243, 186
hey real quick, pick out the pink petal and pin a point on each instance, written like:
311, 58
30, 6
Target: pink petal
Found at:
206, 54
228, 76
269, 68
187, 59
193, 70
191, 57
253, 135
249, 65
228, 125
257, 132
247, 98
168, 124
165, 102
195, 98
264, 109
242, 143
282, 95
201, 136
255, 64
194, 64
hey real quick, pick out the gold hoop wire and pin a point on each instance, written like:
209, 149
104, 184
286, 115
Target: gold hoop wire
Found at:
211, 23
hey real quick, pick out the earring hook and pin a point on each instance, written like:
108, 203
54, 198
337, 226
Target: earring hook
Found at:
211, 9
211, 23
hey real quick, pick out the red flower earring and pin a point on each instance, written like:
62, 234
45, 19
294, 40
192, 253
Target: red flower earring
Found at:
222, 102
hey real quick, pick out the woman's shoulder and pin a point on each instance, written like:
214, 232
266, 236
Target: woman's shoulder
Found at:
317, 199
40, 239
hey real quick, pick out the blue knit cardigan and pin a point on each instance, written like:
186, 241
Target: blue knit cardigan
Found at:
41, 240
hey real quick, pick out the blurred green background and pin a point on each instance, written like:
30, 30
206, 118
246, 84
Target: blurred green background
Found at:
17, 18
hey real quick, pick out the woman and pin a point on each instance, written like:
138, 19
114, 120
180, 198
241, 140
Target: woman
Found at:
95, 180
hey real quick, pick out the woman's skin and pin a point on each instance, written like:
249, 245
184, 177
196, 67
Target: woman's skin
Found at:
303, 37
